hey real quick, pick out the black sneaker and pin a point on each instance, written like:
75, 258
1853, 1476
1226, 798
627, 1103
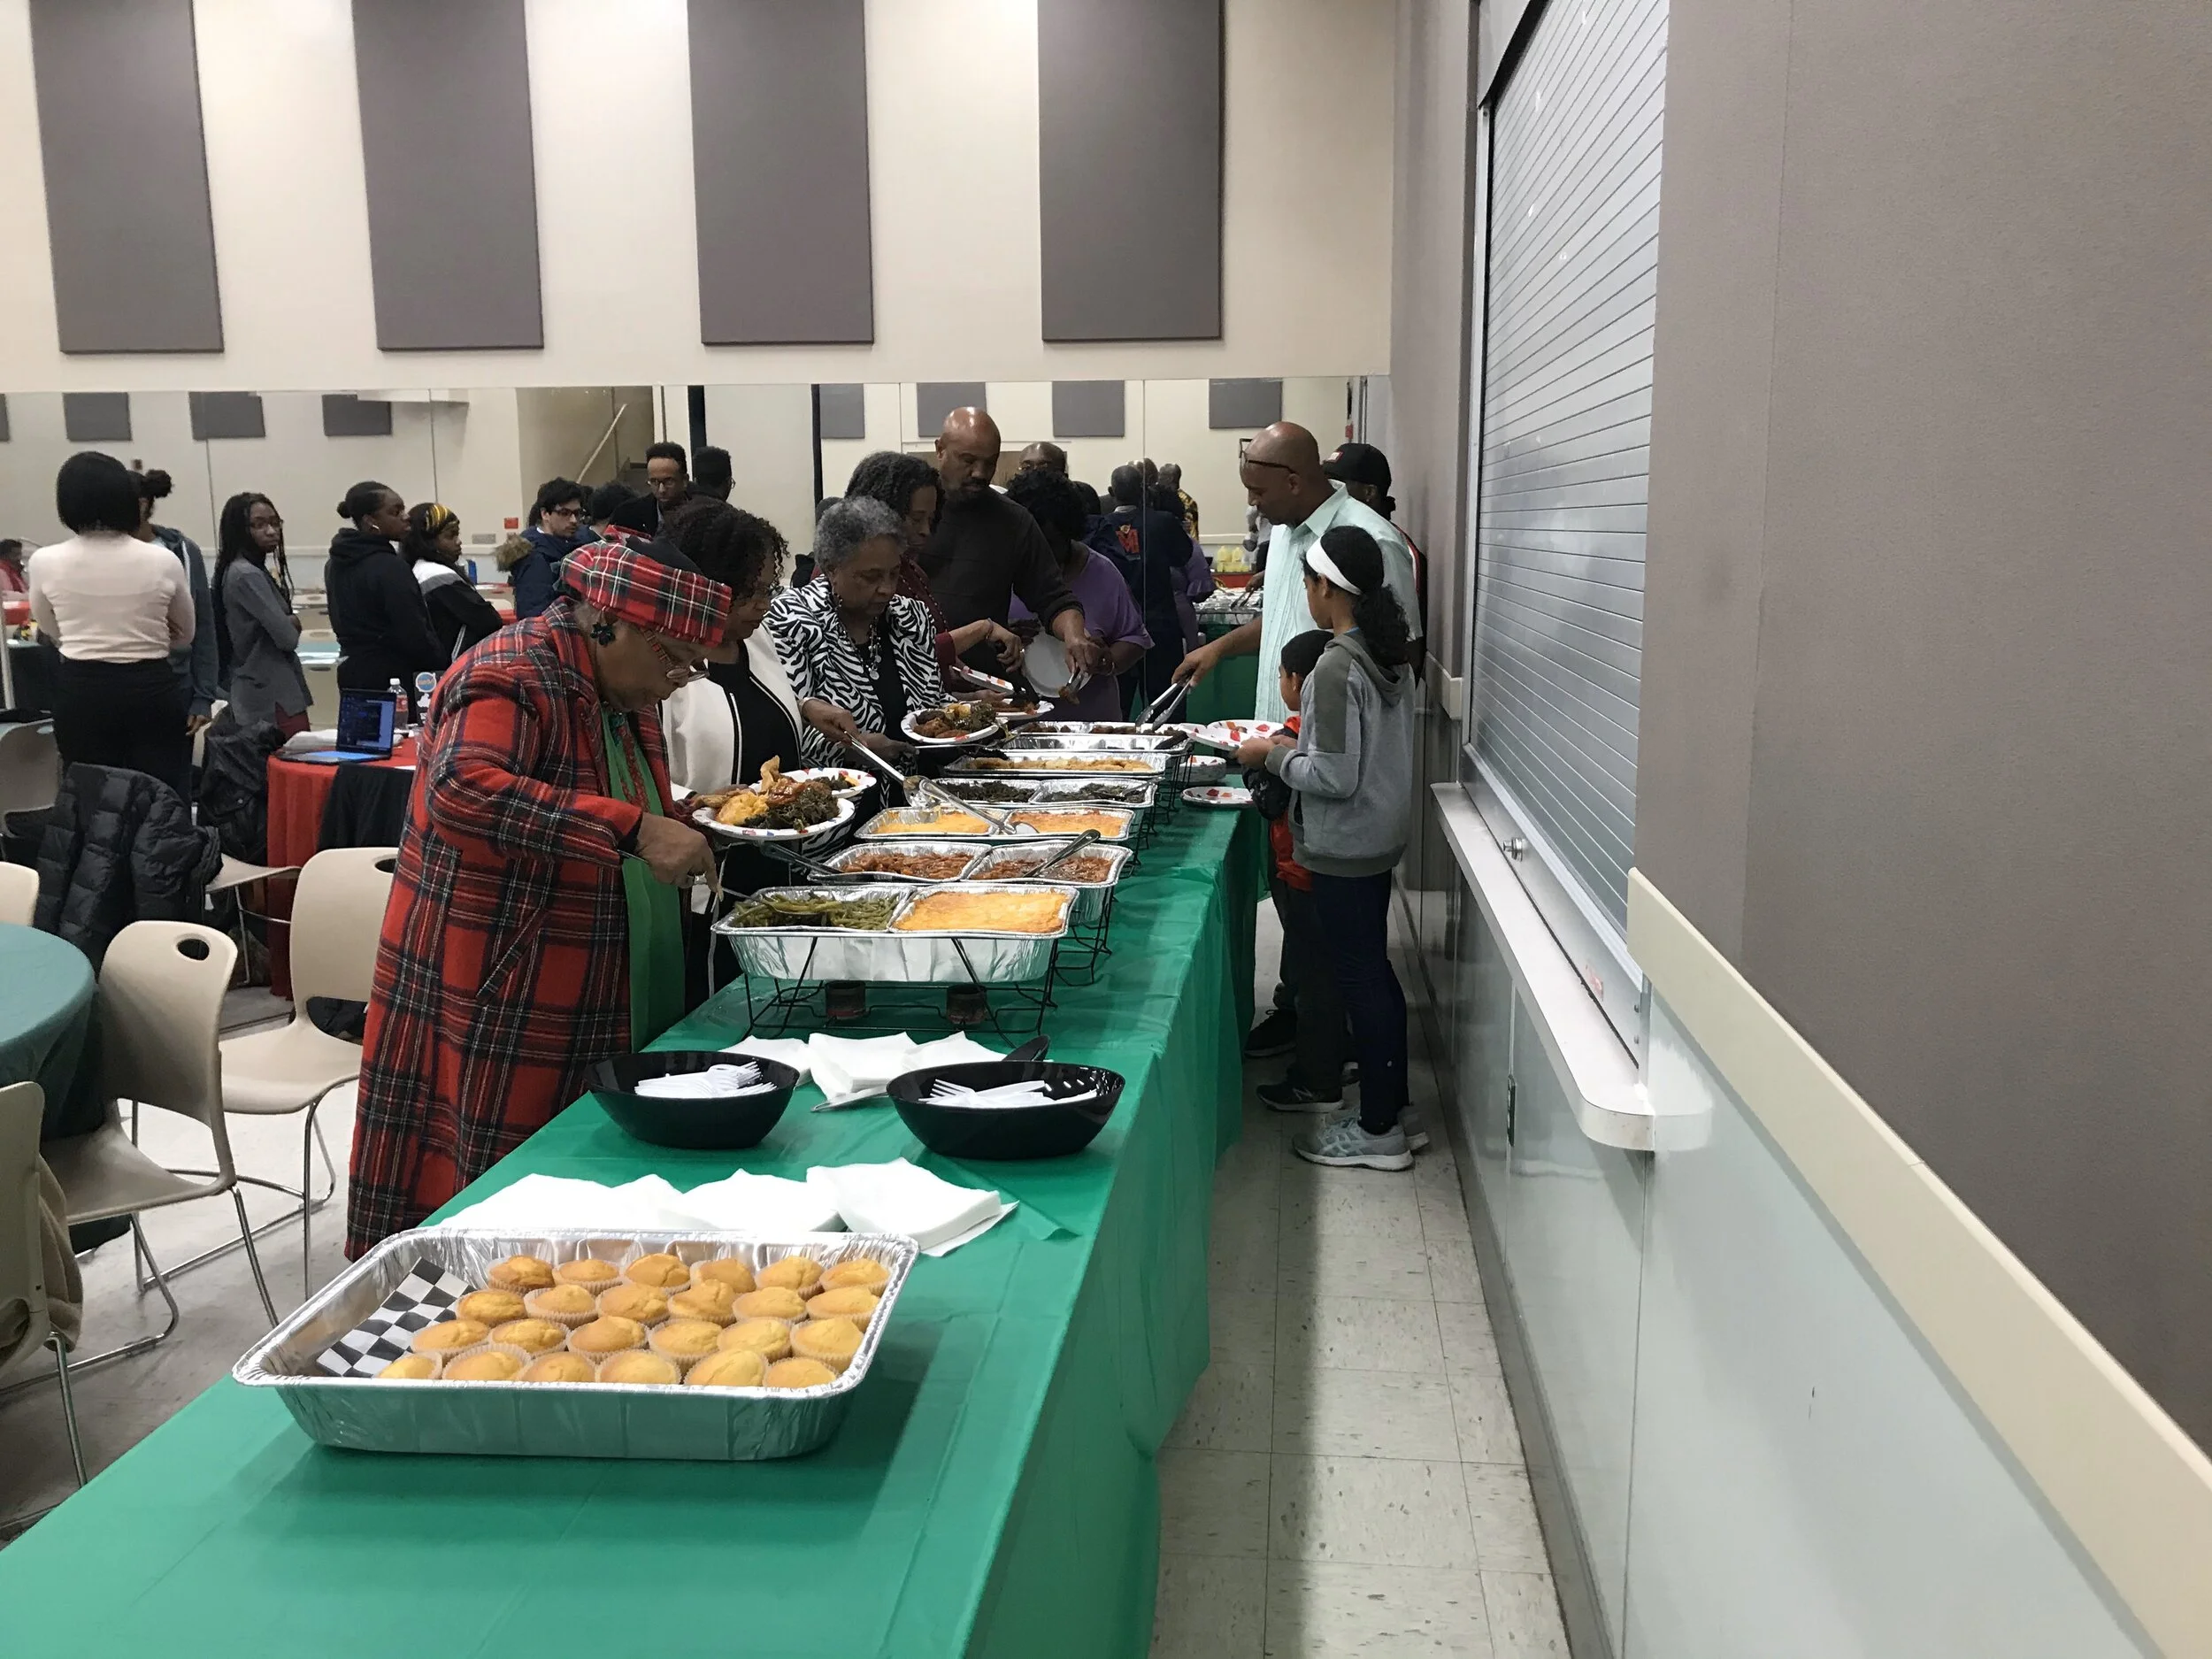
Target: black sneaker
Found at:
1287, 1096
1277, 1034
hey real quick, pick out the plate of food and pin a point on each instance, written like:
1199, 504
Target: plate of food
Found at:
776, 809
1219, 796
1231, 734
847, 783
953, 725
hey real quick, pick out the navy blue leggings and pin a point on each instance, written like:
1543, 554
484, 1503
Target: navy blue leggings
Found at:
1355, 916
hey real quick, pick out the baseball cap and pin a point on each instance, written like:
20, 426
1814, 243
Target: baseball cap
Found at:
1358, 464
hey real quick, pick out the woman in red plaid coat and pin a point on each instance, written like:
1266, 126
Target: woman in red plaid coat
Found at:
537, 875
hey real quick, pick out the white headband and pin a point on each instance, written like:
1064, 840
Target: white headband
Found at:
1320, 563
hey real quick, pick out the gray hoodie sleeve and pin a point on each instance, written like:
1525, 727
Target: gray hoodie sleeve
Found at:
1327, 761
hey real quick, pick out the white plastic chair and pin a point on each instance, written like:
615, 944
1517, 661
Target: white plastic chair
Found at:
19, 894
30, 766
337, 917
22, 1253
161, 1007
236, 875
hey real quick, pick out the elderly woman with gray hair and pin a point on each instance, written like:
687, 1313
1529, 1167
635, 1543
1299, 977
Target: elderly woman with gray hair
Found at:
861, 656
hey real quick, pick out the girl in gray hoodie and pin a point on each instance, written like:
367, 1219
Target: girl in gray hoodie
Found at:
1351, 771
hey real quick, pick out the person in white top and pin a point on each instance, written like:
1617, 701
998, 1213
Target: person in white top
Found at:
115, 607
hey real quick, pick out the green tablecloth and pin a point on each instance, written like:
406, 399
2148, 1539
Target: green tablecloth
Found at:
992, 1491
46, 1002
1229, 693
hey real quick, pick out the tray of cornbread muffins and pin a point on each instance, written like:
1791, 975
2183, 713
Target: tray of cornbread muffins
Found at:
704, 1345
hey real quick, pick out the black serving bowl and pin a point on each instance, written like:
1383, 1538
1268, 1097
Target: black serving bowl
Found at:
700, 1125
1045, 1131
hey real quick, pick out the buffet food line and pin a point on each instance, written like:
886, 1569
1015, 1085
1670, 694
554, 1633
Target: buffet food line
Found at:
954, 1454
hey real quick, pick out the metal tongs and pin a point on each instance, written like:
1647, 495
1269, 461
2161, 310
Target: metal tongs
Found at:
1086, 838
1162, 705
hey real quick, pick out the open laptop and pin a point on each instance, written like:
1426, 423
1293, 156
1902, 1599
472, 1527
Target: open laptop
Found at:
365, 723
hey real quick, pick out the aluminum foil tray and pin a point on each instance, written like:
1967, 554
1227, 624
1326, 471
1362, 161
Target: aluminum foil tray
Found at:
1120, 815
1027, 785
481, 1419
969, 850
1099, 743
1024, 765
1060, 791
1091, 897
897, 958
886, 822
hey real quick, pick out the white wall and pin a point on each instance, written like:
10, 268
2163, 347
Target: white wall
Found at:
1307, 124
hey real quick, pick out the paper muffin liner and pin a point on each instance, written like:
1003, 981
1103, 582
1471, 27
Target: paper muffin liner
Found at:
838, 1363
605, 1312
537, 1353
600, 1375
725, 1345
521, 1353
682, 1361
414, 1343
567, 1321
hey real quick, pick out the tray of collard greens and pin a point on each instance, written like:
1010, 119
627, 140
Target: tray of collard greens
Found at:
549, 1420
1101, 743
850, 933
1133, 794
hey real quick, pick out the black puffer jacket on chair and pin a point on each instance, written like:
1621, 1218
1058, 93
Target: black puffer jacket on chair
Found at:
234, 785
120, 848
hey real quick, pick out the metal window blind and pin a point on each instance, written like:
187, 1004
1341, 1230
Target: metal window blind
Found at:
1572, 264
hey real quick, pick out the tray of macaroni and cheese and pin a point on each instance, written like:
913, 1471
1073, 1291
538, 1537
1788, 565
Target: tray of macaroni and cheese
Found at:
964, 932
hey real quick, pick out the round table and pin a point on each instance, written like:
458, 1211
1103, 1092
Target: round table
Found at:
46, 1002
298, 792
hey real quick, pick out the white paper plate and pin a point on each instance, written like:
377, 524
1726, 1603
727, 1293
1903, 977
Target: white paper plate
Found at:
990, 734
1046, 662
1221, 796
747, 833
845, 782
977, 677
1229, 733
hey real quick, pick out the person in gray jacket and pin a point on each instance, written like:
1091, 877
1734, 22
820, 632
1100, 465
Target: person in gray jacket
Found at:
1349, 770
260, 630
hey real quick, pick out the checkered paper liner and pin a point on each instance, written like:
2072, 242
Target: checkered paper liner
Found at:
423, 1297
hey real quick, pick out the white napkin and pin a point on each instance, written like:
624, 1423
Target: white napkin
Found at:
790, 1051
853, 1068
766, 1206
717, 1082
897, 1197
647, 1204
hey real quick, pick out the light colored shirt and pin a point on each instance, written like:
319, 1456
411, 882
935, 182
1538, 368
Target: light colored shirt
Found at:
105, 598
1283, 613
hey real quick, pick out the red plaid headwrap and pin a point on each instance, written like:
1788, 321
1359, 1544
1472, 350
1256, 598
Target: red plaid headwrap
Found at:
625, 584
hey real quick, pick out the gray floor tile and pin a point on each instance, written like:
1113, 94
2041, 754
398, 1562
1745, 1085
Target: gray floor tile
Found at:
1358, 1333
1468, 1342
1231, 1410
1503, 1515
1488, 1433
1352, 1263
1523, 1609
1322, 1610
1364, 1414
1214, 1503
1369, 1512
1210, 1607
1244, 1326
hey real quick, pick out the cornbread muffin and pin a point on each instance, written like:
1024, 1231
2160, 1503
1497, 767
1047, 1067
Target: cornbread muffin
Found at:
492, 1365
607, 1336
860, 1273
801, 1273
411, 1367
798, 1373
661, 1271
450, 1336
770, 1302
491, 1307
640, 1368
705, 1300
770, 1339
832, 1341
591, 1272
566, 1305
725, 1270
519, 1273
736, 1368
559, 1368
640, 1302
685, 1340
859, 1306
532, 1336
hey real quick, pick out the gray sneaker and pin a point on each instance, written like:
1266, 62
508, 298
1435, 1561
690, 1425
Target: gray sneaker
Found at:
1343, 1144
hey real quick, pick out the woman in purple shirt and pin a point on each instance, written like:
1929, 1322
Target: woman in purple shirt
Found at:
1109, 614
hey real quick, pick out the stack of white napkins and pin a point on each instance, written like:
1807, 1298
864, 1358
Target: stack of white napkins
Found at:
790, 1051
764, 1205
854, 1067
897, 1197
647, 1204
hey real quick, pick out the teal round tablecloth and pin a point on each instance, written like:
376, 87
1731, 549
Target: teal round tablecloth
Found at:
46, 992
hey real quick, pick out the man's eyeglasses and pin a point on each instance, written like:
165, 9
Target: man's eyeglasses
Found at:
680, 673
1281, 467
562, 512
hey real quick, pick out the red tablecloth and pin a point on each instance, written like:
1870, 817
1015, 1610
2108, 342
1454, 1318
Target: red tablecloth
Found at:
298, 792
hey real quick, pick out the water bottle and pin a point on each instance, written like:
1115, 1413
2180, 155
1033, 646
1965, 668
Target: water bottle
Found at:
399, 708
426, 682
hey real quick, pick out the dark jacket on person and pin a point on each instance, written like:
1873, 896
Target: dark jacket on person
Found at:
537, 575
198, 665
265, 678
377, 607
235, 783
120, 847
985, 551
460, 616
1152, 551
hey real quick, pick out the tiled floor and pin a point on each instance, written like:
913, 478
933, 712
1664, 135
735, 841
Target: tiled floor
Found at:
1347, 1478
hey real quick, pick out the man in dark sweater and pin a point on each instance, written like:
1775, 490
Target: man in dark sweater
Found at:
986, 549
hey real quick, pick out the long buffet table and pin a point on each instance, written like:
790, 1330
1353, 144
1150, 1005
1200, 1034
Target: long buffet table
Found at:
992, 1491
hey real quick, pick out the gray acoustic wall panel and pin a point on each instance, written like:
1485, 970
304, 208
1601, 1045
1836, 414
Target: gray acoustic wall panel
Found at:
1243, 405
1089, 409
127, 210
346, 416
1129, 137
226, 415
96, 416
933, 400
780, 166
844, 410
452, 183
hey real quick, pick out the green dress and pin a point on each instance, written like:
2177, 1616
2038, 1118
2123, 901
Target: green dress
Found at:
656, 909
